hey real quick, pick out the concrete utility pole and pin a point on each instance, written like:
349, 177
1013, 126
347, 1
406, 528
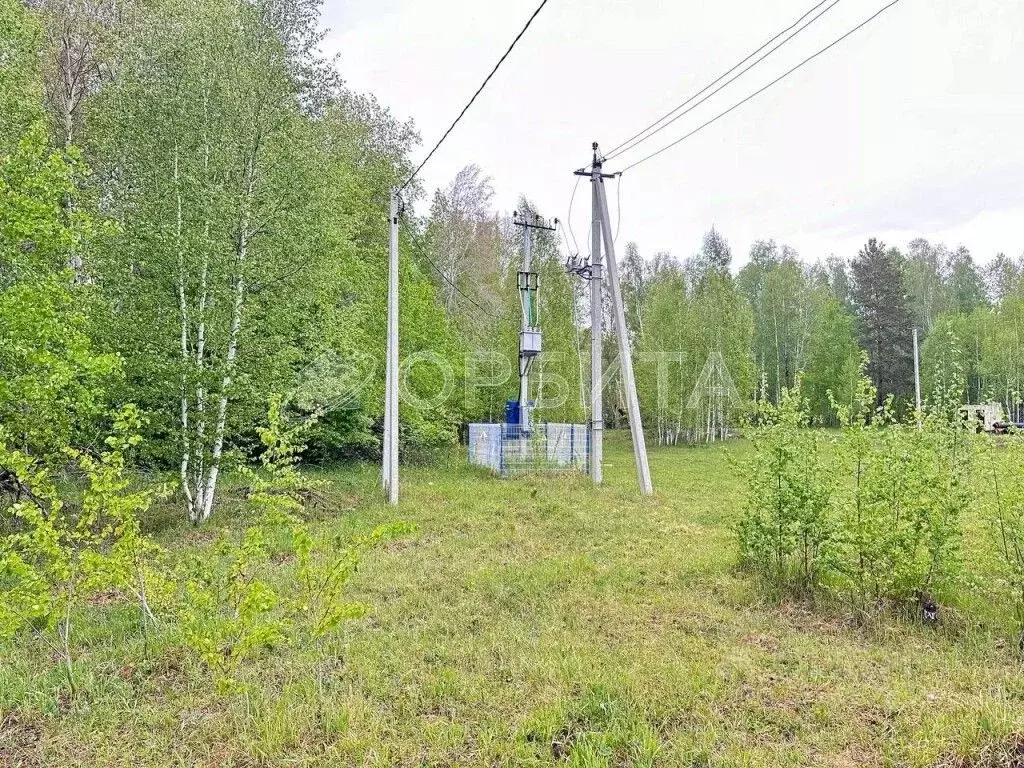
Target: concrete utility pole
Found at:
636, 427
596, 322
529, 302
525, 363
390, 437
917, 379
601, 234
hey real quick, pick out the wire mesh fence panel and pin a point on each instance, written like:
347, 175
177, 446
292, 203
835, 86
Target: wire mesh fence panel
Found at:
508, 450
567, 445
485, 445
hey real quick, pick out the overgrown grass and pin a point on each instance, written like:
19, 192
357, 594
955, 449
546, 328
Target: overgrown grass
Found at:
531, 622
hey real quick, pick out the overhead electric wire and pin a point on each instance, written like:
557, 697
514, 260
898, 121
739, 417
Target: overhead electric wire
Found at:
761, 90
565, 238
652, 130
568, 218
618, 207
478, 92
722, 76
458, 290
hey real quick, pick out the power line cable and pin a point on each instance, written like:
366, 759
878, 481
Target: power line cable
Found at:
478, 92
565, 238
618, 207
458, 290
651, 130
568, 218
725, 74
761, 90
444, 277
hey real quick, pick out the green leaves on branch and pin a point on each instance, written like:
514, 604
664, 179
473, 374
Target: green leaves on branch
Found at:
873, 517
1005, 504
52, 381
786, 531
279, 582
60, 549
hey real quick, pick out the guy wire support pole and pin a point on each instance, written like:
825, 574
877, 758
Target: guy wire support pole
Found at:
636, 427
390, 437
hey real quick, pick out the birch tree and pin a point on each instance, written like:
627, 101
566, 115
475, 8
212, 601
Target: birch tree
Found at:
210, 162
786, 299
461, 235
52, 380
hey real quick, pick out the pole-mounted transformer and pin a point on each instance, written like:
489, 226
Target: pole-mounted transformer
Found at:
518, 412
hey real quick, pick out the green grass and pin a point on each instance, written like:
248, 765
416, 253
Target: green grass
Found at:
534, 622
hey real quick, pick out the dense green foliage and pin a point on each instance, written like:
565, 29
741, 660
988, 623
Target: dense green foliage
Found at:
786, 530
880, 523
193, 219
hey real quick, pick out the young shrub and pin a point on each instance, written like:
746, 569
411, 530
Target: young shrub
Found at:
55, 555
280, 584
128, 561
900, 517
279, 489
786, 531
229, 609
951, 452
946, 456
1006, 527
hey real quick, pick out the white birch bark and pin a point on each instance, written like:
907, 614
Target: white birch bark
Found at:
183, 312
241, 253
200, 352
200, 431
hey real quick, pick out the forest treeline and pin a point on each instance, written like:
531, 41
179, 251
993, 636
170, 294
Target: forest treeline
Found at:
193, 219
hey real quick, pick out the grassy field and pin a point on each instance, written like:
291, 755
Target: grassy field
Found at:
534, 622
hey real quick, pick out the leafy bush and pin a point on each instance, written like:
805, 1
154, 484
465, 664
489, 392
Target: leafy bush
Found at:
1006, 527
900, 518
278, 584
54, 555
786, 532
880, 526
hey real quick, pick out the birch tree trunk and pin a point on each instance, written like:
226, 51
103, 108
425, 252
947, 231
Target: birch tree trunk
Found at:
242, 250
186, 450
200, 351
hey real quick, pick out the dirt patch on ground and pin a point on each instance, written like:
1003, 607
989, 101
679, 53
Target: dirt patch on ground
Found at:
765, 643
852, 757
107, 597
20, 741
1008, 753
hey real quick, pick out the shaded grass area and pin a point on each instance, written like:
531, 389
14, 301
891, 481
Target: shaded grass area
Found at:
534, 622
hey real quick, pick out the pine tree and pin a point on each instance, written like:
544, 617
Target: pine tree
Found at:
885, 324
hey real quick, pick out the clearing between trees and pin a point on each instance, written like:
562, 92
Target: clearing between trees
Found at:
531, 622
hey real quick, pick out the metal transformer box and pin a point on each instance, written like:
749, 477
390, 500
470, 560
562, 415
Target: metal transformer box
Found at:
529, 342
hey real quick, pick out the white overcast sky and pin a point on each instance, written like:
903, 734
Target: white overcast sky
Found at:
913, 126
